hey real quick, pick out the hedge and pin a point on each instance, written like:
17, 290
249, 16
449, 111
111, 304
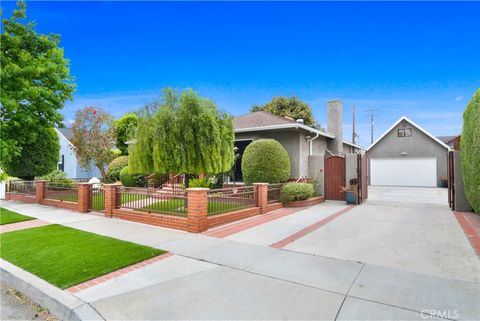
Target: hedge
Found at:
132, 179
265, 161
296, 192
470, 151
114, 168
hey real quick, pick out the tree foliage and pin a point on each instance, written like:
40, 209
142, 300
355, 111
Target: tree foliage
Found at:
185, 134
265, 161
38, 158
35, 83
470, 151
290, 107
114, 168
125, 128
93, 138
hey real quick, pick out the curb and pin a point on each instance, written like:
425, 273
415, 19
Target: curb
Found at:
58, 302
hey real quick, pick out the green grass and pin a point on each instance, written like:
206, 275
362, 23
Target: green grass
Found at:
65, 256
98, 199
8, 217
177, 207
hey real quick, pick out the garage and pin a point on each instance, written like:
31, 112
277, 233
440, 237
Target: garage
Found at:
404, 171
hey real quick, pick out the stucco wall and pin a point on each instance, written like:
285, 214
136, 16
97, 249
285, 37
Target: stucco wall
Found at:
418, 145
316, 171
296, 144
350, 167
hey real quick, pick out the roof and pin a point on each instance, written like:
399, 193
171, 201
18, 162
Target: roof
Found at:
66, 132
447, 139
262, 120
351, 144
413, 124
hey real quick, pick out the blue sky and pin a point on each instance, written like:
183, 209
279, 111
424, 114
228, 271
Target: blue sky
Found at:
421, 60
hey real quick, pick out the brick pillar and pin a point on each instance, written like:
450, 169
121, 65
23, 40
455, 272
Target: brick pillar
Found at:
110, 198
40, 189
84, 197
197, 210
261, 196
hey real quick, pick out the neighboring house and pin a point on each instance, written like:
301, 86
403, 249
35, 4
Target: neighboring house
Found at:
68, 162
452, 141
407, 155
300, 141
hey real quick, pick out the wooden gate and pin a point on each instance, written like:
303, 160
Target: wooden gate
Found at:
362, 176
334, 178
450, 181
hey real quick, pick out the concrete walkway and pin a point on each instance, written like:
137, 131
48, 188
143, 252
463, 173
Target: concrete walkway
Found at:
362, 265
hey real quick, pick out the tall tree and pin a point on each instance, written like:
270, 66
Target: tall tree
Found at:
93, 138
290, 107
35, 83
187, 134
470, 151
125, 128
37, 158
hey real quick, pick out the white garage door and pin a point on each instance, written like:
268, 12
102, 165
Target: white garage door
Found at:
413, 171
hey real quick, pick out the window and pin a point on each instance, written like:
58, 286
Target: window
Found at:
404, 132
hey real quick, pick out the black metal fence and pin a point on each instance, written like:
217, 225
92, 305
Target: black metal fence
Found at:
96, 199
230, 199
62, 191
274, 191
22, 187
170, 202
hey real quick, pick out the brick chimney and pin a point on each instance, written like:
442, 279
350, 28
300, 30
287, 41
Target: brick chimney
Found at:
335, 125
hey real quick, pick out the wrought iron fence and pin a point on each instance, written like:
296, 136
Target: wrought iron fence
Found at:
170, 202
274, 191
62, 191
96, 199
22, 187
230, 199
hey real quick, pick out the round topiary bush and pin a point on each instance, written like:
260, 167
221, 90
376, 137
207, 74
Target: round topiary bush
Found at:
296, 192
470, 151
114, 168
265, 161
132, 179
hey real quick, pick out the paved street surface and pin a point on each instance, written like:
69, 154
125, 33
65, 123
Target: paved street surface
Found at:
403, 258
16, 307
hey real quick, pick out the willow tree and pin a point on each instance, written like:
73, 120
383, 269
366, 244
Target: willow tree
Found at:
185, 134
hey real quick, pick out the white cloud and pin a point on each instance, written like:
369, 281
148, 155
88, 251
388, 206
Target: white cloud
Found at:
459, 98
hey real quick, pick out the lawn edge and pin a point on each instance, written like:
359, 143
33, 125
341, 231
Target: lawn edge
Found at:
63, 305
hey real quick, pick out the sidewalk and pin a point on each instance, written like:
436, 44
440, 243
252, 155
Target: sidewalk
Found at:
225, 278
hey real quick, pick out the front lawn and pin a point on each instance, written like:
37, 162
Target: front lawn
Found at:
177, 207
65, 256
8, 217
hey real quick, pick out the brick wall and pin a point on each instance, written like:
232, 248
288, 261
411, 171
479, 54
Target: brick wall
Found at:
179, 223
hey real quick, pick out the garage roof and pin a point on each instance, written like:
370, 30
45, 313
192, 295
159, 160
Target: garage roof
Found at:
413, 124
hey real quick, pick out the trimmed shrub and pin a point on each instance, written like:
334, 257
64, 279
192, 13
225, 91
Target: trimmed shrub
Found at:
58, 177
470, 151
265, 161
114, 168
296, 192
132, 180
37, 158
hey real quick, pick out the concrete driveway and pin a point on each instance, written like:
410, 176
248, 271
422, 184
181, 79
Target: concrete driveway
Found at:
418, 195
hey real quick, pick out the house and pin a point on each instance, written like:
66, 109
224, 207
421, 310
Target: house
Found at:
452, 141
407, 155
68, 162
303, 143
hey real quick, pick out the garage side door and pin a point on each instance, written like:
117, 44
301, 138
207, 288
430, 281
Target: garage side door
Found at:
413, 171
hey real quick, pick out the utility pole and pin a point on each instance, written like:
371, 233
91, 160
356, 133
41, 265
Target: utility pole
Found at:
372, 123
354, 134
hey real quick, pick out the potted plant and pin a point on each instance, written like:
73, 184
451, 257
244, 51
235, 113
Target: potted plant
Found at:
443, 181
350, 191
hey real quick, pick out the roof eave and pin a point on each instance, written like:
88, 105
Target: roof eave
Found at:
284, 126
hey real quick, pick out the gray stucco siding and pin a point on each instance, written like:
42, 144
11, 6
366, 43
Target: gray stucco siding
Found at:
418, 145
